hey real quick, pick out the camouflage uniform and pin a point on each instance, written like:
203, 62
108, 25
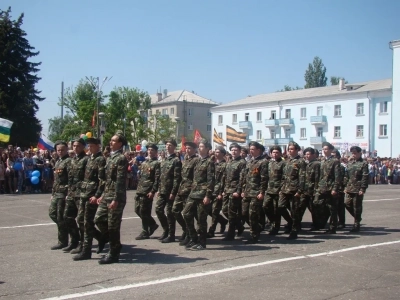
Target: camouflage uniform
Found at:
341, 196
92, 185
75, 179
355, 180
254, 182
271, 199
218, 190
148, 183
232, 206
203, 185
292, 183
310, 184
109, 220
170, 178
330, 180
59, 193
184, 189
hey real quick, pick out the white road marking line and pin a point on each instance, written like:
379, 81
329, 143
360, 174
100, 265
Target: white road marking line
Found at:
377, 200
208, 273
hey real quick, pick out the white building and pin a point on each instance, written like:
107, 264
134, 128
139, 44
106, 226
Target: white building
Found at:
345, 115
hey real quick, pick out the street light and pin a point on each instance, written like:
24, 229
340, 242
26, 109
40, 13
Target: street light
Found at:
103, 129
177, 126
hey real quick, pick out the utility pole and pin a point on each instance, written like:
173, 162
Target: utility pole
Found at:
62, 101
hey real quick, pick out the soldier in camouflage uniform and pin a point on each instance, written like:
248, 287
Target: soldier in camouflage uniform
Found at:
75, 179
220, 166
170, 180
293, 188
341, 196
254, 181
356, 184
200, 197
311, 182
328, 187
232, 201
185, 187
59, 193
113, 200
146, 189
271, 200
91, 189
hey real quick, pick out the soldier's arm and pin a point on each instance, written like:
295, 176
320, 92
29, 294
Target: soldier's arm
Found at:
302, 177
101, 164
264, 177
242, 179
177, 176
365, 177
283, 166
70, 177
157, 173
317, 173
122, 168
210, 179
223, 180
338, 176
346, 177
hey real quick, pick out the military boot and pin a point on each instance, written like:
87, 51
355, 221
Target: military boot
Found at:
210, 233
185, 241
152, 229
292, 236
183, 237
58, 246
111, 257
77, 249
169, 239
142, 236
356, 227
231, 233
70, 247
83, 255
164, 235
252, 240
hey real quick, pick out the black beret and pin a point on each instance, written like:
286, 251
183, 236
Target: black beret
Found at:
121, 137
221, 149
60, 143
152, 146
295, 145
235, 145
309, 149
80, 141
257, 145
205, 143
355, 148
278, 148
93, 140
337, 153
329, 145
171, 141
190, 144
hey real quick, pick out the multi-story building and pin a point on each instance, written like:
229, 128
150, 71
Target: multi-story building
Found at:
361, 114
191, 111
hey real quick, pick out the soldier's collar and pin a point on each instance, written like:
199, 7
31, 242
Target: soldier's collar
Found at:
64, 157
113, 153
172, 155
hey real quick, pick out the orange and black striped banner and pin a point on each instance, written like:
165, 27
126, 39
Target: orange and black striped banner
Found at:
217, 139
234, 136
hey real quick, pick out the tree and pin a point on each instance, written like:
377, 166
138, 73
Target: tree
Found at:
57, 126
315, 74
162, 127
18, 95
287, 88
335, 80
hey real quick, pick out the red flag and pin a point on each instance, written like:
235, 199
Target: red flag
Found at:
197, 137
94, 119
183, 141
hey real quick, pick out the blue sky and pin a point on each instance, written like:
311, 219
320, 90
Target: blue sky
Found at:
223, 50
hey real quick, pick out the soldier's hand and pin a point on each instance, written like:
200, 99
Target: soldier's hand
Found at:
260, 196
93, 200
150, 195
171, 197
236, 195
206, 201
297, 195
219, 197
242, 195
361, 193
333, 193
99, 200
113, 205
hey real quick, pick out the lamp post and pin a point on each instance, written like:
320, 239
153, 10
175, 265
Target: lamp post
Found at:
102, 128
177, 127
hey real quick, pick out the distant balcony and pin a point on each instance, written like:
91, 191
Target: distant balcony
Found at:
270, 142
318, 120
317, 140
271, 123
284, 141
286, 123
244, 125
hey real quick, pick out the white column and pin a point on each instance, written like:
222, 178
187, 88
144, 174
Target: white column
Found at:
395, 107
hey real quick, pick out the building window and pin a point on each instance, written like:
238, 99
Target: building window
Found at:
165, 111
157, 111
272, 134
383, 107
360, 131
287, 114
259, 116
209, 113
303, 133
172, 111
190, 111
209, 127
150, 113
220, 120
320, 132
246, 116
220, 134
383, 130
234, 118
190, 126
338, 110
303, 113
320, 111
259, 134
336, 132
273, 114
360, 108
287, 133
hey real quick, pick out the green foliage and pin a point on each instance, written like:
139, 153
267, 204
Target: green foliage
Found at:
315, 74
162, 127
57, 126
18, 95
287, 88
335, 80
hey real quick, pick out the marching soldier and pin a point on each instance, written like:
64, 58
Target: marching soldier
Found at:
356, 184
59, 193
76, 176
232, 202
170, 179
254, 183
91, 189
113, 200
146, 189
185, 187
341, 195
292, 188
200, 197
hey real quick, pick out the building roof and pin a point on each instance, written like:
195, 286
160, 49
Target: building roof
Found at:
369, 86
180, 95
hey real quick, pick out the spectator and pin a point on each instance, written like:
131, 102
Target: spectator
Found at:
2, 176
28, 168
10, 172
